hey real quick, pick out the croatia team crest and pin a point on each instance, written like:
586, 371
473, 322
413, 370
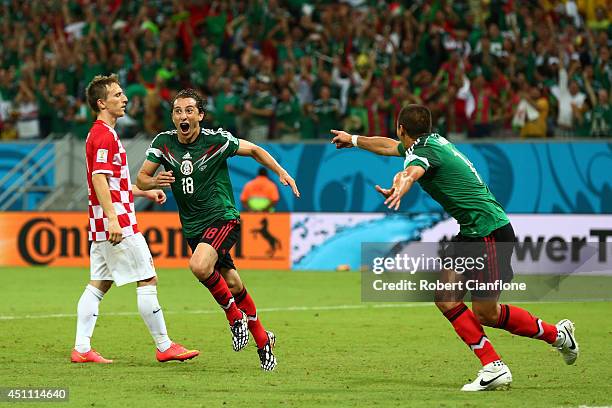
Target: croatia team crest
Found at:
186, 167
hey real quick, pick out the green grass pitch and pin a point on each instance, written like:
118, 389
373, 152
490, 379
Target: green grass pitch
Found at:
332, 349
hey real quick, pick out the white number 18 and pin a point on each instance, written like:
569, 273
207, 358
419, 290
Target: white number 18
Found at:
188, 185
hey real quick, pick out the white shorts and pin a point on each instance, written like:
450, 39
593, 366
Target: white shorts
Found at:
127, 262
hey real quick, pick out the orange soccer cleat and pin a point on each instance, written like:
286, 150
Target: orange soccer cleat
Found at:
92, 356
176, 352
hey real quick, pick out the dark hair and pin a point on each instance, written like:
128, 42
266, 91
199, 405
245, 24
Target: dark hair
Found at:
416, 120
191, 93
262, 172
97, 89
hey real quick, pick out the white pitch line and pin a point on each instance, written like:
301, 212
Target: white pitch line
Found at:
211, 311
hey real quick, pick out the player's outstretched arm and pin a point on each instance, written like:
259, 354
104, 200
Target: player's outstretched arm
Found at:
157, 196
402, 182
375, 144
264, 158
147, 180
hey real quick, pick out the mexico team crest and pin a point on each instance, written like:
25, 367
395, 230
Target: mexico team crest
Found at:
186, 167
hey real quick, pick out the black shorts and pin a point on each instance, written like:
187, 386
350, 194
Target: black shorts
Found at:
221, 235
493, 255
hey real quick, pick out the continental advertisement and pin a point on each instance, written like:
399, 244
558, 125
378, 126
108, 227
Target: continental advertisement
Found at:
298, 241
60, 239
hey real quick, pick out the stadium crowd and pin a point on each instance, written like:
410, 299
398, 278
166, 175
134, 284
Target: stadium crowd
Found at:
293, 69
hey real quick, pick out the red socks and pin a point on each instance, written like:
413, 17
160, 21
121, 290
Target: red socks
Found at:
233, 306
245, 302
520, 322
511, 318
471, 332
218, 288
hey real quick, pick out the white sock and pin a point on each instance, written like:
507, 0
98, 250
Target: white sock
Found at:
151, 313
87, 314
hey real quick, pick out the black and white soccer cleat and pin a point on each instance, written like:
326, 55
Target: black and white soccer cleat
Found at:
266, 356
240, 333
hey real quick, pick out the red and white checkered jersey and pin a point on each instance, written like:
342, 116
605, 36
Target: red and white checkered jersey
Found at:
106, 155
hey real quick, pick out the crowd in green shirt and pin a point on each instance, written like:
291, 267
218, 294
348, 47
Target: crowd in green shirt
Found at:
294, 69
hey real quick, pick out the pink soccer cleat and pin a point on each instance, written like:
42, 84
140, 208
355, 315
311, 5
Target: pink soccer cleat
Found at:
176, 352
92, 356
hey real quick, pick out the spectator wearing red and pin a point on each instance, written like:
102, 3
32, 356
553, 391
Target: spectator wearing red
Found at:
378, 109
482, 116
453, 106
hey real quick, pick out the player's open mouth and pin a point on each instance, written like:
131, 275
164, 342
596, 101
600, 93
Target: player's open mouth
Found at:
184, 127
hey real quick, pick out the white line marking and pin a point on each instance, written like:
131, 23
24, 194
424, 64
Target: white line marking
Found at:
212, 311
265, 310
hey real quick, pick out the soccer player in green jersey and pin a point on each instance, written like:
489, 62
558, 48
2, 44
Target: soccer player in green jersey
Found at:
195, 164
485, 230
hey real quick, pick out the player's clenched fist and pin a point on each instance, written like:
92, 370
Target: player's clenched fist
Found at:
157, 196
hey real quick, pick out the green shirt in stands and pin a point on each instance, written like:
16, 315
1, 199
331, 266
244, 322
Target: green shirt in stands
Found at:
69, 77
202, 186
328, 113
288, 113
598, 121
451, 180
308, 127
200, 63
261, 100
226, 119
149, 71
45, 108
91, 70
215, 27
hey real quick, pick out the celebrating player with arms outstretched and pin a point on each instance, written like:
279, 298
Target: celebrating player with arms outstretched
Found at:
195, 163
118, 252
451, 179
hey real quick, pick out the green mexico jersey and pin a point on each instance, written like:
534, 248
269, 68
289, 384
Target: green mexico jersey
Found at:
202, 186
451, 180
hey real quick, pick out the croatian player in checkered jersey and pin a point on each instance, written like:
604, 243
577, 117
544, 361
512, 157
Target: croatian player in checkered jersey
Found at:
485, 230
119, 252
195, 163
